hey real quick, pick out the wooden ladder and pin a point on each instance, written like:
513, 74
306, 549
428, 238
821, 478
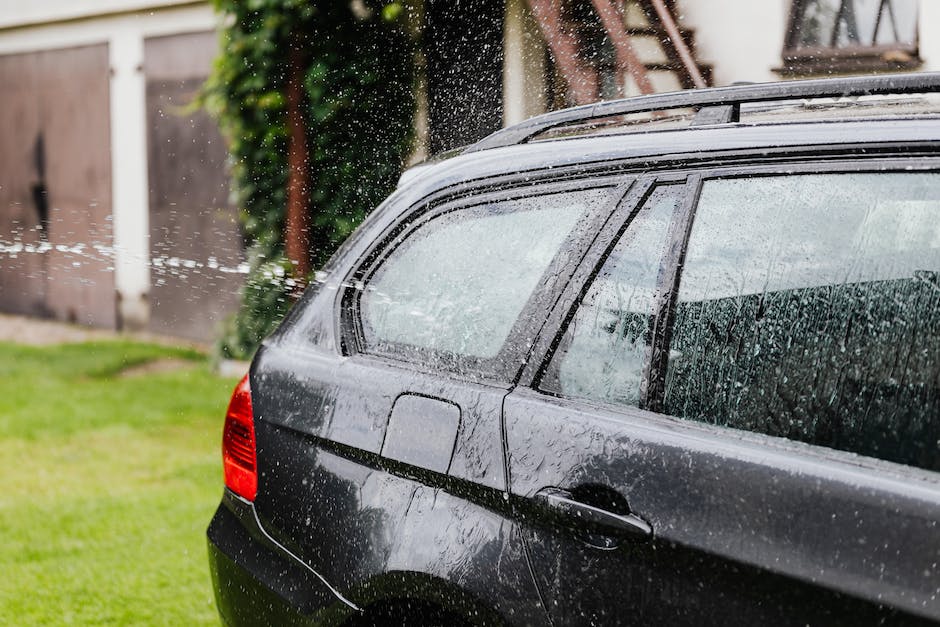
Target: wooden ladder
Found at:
647, 43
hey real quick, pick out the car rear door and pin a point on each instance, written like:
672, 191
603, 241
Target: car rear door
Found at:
672, 445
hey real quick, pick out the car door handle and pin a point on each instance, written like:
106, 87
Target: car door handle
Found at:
593, 517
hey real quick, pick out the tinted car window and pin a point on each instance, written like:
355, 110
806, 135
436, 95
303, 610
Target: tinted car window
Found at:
458, 282
809, 308
603, 351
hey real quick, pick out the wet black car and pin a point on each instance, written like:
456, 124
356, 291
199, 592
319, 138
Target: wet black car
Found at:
596, 370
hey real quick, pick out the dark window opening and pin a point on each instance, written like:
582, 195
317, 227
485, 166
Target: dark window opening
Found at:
827, 36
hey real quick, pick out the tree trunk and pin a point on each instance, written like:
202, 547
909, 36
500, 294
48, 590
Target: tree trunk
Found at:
297, 223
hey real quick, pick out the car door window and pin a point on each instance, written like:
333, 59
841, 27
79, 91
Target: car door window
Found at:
602, 353
809, 308
459, 281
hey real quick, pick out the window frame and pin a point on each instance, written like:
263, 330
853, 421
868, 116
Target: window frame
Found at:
671, 263
800, 61
504, 367
629, 214
547, 342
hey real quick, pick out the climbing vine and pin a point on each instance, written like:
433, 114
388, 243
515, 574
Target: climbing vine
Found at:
356, 64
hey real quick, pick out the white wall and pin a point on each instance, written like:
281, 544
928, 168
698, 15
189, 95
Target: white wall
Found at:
743, 39
124, 33
929, 21
23, 12
524, 65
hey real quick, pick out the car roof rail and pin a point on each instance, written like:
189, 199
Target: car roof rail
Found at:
715, 105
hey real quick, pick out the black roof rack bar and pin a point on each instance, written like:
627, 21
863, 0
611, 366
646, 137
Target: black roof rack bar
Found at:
914, 83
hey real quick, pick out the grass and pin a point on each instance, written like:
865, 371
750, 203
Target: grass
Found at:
107, 483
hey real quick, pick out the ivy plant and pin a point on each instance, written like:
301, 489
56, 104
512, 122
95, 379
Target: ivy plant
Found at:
358, 75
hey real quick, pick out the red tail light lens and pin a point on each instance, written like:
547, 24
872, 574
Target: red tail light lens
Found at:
238, 444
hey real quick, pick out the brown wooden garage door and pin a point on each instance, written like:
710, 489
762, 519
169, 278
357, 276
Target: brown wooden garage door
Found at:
55, 186
195, 241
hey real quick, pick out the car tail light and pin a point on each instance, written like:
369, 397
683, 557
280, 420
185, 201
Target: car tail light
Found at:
239, 459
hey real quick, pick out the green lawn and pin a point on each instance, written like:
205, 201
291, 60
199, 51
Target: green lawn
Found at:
108, 482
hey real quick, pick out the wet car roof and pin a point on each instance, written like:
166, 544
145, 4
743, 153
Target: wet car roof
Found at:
679, 145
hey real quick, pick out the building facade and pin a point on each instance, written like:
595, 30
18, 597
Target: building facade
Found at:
730, 41
114, 208
114, 204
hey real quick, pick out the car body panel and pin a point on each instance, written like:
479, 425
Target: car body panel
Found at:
754, 527
742, 524
723, 500
330, 497
257, 581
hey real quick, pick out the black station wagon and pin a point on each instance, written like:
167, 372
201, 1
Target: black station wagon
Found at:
669, 360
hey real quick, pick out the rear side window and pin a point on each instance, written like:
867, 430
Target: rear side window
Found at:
457, 283
603, 352
809, 308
